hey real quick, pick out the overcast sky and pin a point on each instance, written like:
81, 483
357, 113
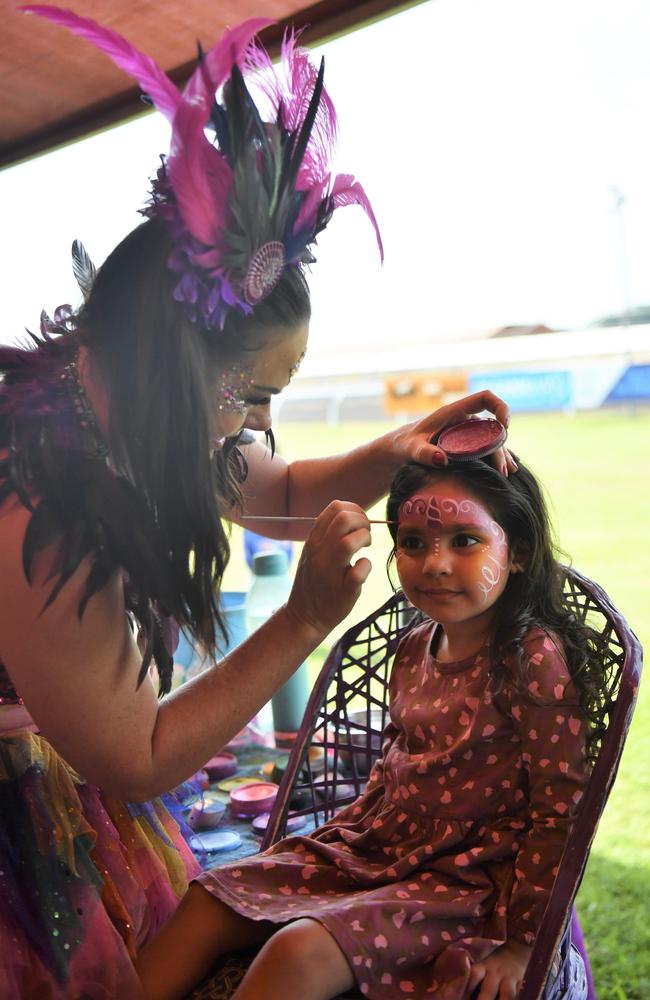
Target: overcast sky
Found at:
489, 135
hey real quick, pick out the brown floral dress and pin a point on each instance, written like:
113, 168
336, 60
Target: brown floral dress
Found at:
454, 845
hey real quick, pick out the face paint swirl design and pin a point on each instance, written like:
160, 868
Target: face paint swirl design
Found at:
494, 567
434, 507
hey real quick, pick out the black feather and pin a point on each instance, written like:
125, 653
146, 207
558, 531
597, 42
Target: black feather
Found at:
83, 268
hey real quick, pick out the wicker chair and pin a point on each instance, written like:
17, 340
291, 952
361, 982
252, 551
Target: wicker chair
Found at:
347, 712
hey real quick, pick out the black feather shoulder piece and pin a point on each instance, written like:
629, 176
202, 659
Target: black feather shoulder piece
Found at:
52, 459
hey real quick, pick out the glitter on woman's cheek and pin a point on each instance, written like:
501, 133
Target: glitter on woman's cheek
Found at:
232, 386
294, 368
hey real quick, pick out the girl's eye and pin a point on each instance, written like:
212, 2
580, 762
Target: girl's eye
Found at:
410, 543
465, 541
265, 401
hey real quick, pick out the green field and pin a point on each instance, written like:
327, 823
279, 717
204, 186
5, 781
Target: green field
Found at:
597, 475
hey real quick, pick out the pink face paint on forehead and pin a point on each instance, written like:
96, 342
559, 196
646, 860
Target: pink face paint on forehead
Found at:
437, 510
232, 386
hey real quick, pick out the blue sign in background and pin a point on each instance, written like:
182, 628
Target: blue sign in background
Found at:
633, 384
528, 390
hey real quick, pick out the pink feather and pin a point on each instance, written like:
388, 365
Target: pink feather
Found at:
306, 218
290, 87
200, 176
347, 191
231, 48
150, 77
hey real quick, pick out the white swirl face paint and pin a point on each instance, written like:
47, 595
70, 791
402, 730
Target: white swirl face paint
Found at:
453, 558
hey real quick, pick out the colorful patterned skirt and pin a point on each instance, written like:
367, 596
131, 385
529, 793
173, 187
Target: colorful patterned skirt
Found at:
85, 879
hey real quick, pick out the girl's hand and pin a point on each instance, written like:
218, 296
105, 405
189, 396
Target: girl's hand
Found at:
500, 975
327, 584
415, 442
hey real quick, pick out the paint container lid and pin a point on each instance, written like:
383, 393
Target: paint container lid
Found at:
261, 822
214, 840
221, 766
252, 800
472, 439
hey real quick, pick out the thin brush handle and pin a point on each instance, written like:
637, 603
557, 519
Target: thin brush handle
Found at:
291, 517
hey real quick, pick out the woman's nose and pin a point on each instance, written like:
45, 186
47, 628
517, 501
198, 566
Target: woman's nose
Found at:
258, 418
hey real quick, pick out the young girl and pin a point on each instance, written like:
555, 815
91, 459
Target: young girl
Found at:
433, 883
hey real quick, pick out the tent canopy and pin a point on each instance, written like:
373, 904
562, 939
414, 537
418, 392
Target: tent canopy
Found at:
57, 87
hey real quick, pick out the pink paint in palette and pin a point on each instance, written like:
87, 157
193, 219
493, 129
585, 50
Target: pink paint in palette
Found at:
252, 800
472, 439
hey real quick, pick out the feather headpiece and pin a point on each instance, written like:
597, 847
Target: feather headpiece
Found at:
251, 201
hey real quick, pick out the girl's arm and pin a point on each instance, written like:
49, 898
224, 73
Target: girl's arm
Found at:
362, 475
78, 677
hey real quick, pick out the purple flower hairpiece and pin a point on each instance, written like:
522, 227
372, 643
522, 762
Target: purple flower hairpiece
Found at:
250, 203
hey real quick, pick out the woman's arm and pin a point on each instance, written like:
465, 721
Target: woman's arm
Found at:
362, 475
78, 676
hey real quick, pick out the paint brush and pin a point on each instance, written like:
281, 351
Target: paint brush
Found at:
292, 517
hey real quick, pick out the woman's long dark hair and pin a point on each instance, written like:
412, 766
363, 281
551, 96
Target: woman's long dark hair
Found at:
531, 598
156, 511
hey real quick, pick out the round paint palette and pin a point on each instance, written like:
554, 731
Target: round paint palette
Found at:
214, 840
237, 781
472, 439
251, 800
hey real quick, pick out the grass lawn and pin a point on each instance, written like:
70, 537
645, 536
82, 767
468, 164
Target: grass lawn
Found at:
597, 476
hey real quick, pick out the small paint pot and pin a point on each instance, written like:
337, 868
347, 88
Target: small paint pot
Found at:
237, 781
206, 815
222, 765
472, 439
316, 757
201, 779
213, 841
252, 800
278, 769
261, 822
300, 798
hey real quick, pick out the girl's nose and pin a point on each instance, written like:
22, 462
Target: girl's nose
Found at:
437, 560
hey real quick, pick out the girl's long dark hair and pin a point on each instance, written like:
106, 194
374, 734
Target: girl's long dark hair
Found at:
531, 598
155, 512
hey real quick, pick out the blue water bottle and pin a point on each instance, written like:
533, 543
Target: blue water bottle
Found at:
270, 589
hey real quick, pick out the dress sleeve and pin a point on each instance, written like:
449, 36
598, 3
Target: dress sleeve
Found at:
551, 728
